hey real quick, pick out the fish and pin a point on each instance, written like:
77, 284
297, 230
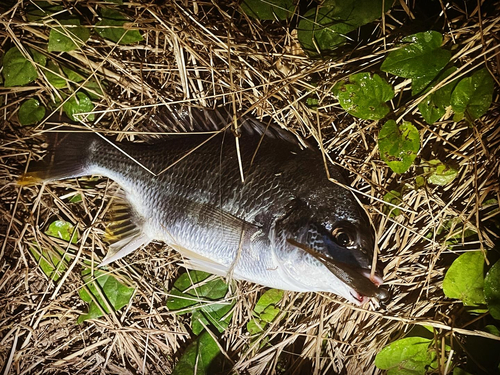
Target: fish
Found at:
254, 205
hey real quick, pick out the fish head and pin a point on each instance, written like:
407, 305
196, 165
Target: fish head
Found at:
334, 250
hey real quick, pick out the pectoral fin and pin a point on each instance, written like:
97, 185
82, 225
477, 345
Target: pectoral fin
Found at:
124, 232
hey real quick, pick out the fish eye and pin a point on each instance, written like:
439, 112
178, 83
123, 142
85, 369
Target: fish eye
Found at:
341, 237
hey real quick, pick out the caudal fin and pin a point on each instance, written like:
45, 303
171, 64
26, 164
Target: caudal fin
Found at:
67, 157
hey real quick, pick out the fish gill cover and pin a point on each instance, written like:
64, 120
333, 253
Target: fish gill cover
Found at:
402, 97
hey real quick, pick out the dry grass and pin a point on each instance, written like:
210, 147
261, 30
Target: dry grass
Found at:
202, 54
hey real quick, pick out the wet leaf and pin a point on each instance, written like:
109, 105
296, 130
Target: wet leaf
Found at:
433, 107
50, 261
265, 311
204, 299
393, 197
439, 173
473, 95
420, 59
117, 294
408, 356
18, 70
270, 298
324, 28
268, 9
492, 290
78, 103
464, 280
31, 112
110, 28
54, 75
198, 356
63, 230
398, 145
41, 9
68, 37
365, 96
72, 75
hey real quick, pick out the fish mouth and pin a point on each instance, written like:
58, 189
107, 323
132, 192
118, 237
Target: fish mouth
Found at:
363, 283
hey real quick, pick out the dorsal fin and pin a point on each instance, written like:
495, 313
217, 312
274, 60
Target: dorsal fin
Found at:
200, 119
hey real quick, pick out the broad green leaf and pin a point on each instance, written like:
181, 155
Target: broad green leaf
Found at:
198, 357
459, 371
324, 28
18, 70
433, 107
54, 75
269, 314
490, 328
108, 28
68, 37
78, 103
408, 356
72, 75
31, 112
439, 173
465, 280
473, 95
50, 261
365, 96
63, 230
398, 145
492, 290
204, 299
393, 197
117, 294
255, 326
41, 9
76, 198
270, 298
420, 59
268, 9
93, 89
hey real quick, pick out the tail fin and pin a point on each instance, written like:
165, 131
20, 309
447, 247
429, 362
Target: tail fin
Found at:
67, 156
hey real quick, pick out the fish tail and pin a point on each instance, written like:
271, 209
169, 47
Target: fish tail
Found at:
68, 156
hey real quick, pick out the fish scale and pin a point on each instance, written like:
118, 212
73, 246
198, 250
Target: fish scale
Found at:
196, 202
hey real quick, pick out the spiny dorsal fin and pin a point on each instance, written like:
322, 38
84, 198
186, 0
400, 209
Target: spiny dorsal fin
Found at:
200, 119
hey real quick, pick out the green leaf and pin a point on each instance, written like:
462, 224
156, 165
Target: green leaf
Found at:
420, 59
459, 371
433, 107
268, 9
365, 96
78, 103
76, 198
324, 28
93, 90
464, 279
40, 9
473, 95
408, 356
492, 290
393, 197
18, 70
54, 75
31, 112
398, 145
72, 75
198, 356
117, 294
108, 28
69, 37
490, 328
50, 261
270, 298
192, 293
255, 326
63, 230
439, 173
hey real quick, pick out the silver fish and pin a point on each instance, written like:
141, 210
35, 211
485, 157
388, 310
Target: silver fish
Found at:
286, 226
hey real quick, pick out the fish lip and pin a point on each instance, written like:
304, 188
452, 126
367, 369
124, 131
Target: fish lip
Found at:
362, 290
